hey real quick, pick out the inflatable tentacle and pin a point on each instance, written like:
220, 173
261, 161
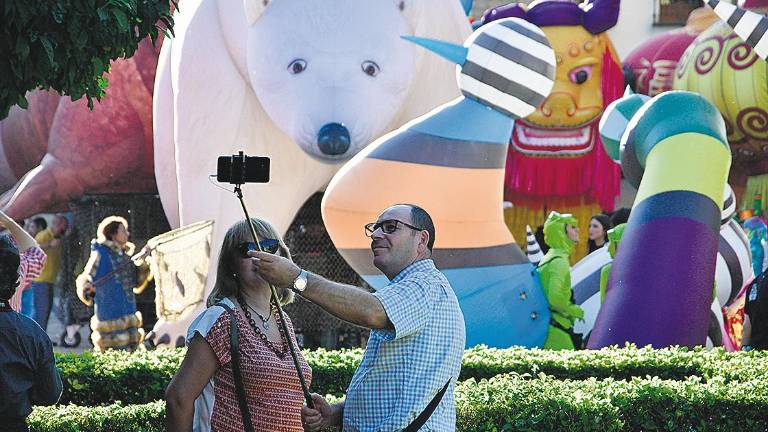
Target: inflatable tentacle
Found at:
682, 157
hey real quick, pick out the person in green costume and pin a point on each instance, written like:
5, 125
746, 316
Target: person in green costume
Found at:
614, 238
561, 234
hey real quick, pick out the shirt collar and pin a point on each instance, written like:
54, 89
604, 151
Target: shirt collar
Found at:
425, 264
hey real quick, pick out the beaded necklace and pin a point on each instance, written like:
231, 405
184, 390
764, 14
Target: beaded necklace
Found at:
279, 352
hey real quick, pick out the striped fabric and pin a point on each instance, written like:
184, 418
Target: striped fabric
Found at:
729, 205
750, 26
532, 250
510, 67
32, 264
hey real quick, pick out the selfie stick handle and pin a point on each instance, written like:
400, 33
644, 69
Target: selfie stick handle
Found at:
284, 326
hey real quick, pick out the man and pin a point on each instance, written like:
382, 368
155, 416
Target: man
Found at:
561, 233
28, 374
49, 240
755, 330
32, 258
413, 356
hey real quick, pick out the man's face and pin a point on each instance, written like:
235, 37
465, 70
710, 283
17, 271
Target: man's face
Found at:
395, 251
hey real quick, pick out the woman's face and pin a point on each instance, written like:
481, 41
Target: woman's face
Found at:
121, 236
596, 231
245, 270
572, 232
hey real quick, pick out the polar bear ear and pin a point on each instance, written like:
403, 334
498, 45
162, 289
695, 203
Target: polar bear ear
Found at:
254, 8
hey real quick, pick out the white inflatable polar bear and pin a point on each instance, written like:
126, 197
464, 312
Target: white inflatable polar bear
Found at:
307, 83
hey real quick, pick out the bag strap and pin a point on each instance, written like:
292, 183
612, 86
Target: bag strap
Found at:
234, 346
424, 416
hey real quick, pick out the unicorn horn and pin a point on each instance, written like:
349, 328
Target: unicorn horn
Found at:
532, 250
452, 52
750, 26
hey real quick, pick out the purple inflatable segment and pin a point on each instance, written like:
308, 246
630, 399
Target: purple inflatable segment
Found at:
602, 15
669, 302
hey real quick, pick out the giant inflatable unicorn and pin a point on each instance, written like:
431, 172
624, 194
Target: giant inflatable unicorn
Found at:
451, 163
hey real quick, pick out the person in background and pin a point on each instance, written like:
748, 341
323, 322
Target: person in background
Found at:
33, 227
49, 240
755, 330
561, 233
28, 374
31, 256
598, 231
109, 280
614, 237
620, 216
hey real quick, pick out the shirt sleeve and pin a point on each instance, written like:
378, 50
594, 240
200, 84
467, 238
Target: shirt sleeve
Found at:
47, 387
32, 263
408, 304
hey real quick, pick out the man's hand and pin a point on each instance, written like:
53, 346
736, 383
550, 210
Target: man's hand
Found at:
277, 270
318, 418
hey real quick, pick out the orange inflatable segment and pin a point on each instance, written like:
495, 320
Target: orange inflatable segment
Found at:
468, 223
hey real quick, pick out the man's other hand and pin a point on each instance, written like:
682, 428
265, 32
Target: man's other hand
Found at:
318, 418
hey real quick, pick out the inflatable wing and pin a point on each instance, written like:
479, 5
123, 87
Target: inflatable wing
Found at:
451, 162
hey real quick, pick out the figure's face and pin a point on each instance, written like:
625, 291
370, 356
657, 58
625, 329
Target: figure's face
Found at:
121, 236
572, 232
596, 230
395, 251
576, 98
33, 229
330, 83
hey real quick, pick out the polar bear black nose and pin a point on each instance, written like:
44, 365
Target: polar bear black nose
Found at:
333, 139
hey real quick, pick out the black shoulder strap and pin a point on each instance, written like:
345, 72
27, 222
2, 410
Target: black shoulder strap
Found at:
234, 345
424, 416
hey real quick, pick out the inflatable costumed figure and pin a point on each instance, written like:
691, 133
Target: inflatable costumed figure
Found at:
555, 159
109, 281
614, 237
561, 234
451, 163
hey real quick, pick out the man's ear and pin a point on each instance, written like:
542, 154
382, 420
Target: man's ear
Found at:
423, 241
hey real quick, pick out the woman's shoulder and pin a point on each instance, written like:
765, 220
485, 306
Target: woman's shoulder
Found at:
208, 318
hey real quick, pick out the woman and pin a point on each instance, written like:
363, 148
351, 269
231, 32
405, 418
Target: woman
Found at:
109, 280
598, 231
271, 384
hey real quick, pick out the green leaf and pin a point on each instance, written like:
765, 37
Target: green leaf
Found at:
122, 20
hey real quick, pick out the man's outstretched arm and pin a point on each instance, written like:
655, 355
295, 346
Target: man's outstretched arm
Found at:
346, 302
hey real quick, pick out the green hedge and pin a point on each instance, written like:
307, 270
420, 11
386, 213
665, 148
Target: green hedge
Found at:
102, 378
517, 402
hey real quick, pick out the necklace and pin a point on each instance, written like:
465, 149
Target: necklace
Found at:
279, 352
264, 320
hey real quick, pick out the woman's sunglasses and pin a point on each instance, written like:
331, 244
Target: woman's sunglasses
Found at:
267, 245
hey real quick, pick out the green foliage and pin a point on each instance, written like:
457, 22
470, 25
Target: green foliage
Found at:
102, 378
113, 418
67, 44
523, 403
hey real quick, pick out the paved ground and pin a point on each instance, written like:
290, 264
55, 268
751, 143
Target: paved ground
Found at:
56, 328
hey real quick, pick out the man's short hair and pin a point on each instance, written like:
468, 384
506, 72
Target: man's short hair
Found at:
423, 220
9, 267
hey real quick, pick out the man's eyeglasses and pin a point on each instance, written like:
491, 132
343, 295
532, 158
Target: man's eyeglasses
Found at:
387, 226
267, 245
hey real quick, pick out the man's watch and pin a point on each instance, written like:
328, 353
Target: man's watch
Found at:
300, 284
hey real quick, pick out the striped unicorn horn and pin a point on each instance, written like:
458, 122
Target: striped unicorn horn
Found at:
750, 26
533, 250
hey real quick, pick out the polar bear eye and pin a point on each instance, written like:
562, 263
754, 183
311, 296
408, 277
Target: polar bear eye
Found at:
370, 68
297, 66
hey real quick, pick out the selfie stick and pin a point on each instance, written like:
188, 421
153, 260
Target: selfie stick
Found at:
284, 326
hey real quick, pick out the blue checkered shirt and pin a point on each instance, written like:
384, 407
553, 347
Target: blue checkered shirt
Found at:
403, 369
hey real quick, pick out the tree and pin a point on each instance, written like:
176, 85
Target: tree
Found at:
67, 45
